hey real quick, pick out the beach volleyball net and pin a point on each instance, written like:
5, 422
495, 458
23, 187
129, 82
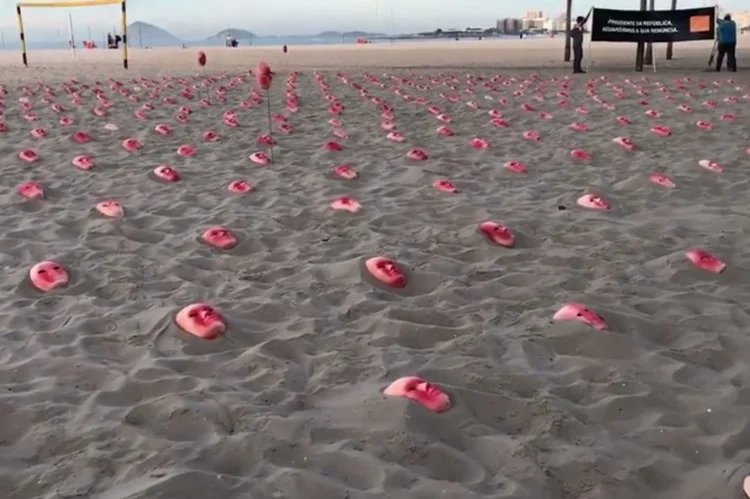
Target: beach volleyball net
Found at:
51, 4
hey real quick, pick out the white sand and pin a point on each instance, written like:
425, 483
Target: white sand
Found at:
103, 396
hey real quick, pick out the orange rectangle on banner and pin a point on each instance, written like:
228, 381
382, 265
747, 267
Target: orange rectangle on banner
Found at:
700, 24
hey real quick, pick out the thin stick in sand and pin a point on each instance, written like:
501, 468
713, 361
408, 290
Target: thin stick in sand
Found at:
268, 112
263, 77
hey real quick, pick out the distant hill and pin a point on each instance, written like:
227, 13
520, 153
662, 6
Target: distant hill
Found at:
348, 34
240, 34
150, 36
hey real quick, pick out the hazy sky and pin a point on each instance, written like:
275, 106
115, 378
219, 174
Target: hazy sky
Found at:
196, 19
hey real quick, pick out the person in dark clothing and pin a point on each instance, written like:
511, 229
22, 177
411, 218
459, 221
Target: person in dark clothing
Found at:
727, 43
576, 33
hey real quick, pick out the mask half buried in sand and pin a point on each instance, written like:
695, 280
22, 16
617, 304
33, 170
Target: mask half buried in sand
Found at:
31, 190
219, 237
388, 126
333, 146
417, 155
445, 131
478, 143
239, 187
445, 186
516, 167
579, 127
266, 140
201, 320
110, 208
347, 204
163, 129
579, 312
28, 155
593, 202
81, 137
386, 271
167, 173
260, 158
711, 166
186, 151
706, 261
580, 154
210, 136
395, 137
661, 131
83, 162
38, 133
48, 275
498, 234
131, 145
662, 180
345, 171
624, 142
420, 391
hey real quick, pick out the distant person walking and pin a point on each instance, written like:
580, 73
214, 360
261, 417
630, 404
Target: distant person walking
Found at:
727, 31
576, 34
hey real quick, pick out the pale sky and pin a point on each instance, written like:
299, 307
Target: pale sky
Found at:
196, 19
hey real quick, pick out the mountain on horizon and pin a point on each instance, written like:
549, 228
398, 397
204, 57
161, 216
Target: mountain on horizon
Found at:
240, 34
149, 35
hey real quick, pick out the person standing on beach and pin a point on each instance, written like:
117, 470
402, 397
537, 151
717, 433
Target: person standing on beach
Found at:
727, 31
576, 33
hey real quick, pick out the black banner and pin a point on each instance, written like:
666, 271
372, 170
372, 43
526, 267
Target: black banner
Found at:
653, 25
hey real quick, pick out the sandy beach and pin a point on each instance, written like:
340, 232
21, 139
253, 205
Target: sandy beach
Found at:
527, 54
104, 396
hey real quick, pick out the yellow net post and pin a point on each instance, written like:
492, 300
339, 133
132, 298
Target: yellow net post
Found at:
23, 37
124, 36
74, 3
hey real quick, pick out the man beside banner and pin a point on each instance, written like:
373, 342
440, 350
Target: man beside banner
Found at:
576, 34
727, 43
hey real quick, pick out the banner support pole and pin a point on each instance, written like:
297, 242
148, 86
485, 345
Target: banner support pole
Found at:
72, 37
124, 21
588, 48
716, 37
22, 35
